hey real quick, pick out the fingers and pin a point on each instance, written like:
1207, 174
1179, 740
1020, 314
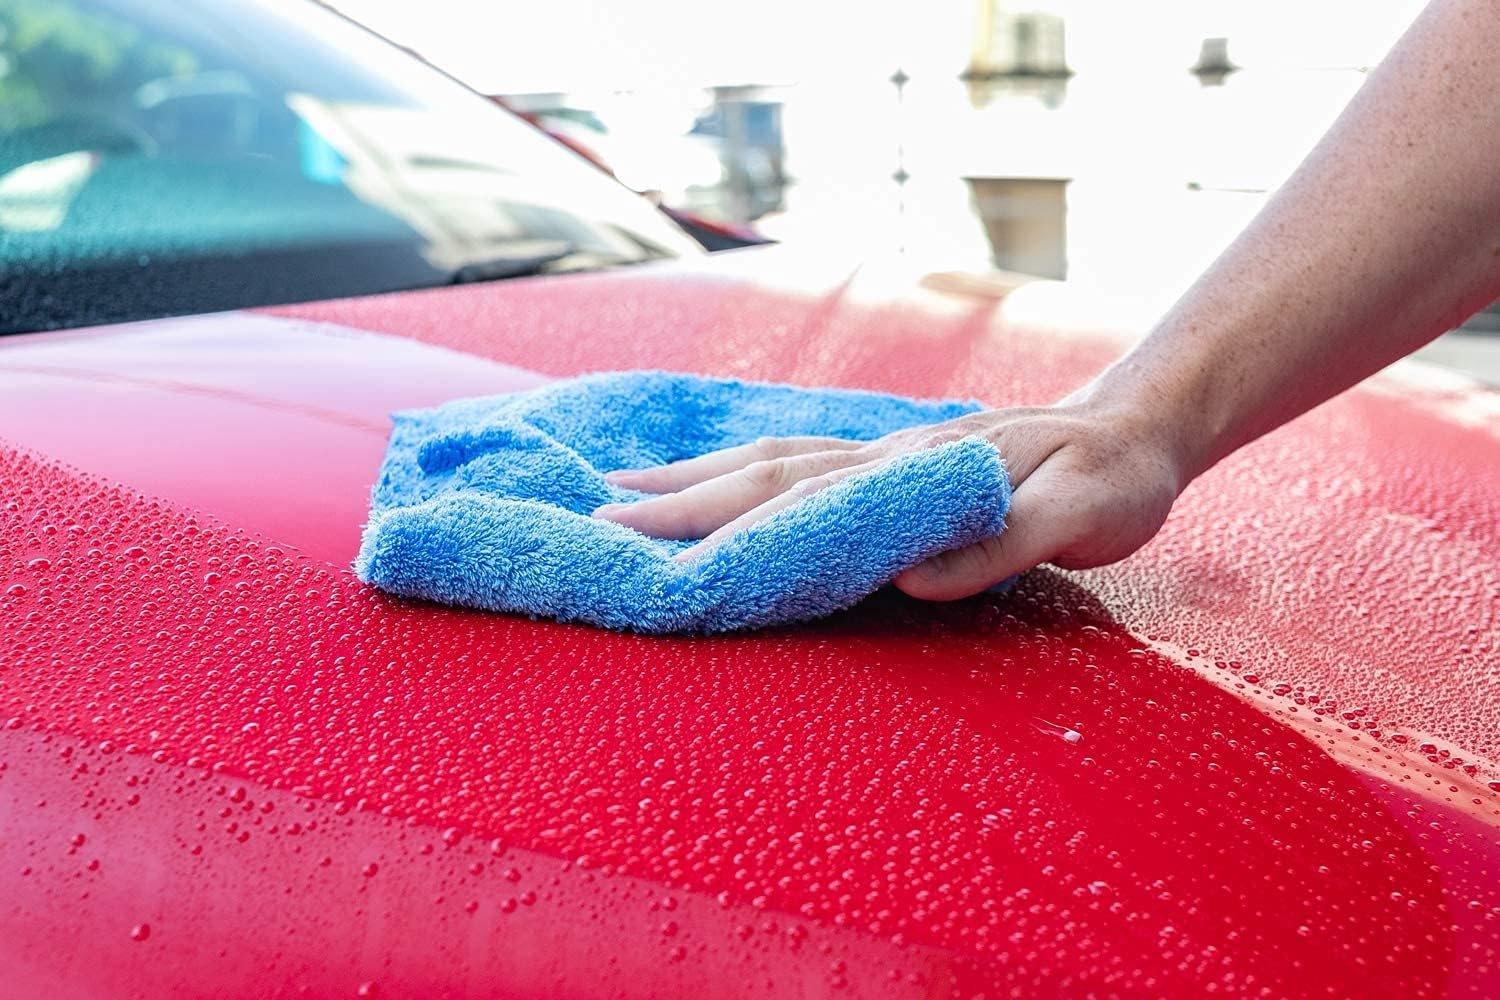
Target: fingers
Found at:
1085, 493
692, 471
1034, 535
801, 491
701, 509
727, 489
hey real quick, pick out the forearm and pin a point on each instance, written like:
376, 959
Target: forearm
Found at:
1387, 235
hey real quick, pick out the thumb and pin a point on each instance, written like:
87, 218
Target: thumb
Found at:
1028, 540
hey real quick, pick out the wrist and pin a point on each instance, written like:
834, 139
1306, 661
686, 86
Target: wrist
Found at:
1169, 411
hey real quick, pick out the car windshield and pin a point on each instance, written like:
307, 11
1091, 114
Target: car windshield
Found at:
160, 157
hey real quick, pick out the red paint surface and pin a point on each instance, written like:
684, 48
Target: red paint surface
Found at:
251, 418
1370, 525
889, 803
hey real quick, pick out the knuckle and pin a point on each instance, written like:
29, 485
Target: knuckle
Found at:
944, 435
771, 447
807, 487
817, 466
772, 475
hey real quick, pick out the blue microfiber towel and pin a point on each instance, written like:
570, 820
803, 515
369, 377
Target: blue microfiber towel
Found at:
485, 503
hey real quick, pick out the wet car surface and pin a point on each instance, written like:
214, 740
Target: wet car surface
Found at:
1259, 758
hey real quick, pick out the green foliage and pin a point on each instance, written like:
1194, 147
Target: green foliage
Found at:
57, 55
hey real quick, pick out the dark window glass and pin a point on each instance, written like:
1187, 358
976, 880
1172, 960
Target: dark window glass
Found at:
168, 156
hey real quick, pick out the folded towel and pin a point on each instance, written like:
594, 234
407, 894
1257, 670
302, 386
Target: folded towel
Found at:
485, 503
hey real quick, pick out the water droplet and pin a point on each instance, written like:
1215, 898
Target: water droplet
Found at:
1061, 732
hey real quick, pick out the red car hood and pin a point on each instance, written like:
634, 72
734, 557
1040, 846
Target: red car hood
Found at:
1258, 757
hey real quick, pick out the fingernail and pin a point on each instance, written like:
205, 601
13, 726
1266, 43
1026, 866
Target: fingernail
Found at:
618, 476
689, 554
605, 510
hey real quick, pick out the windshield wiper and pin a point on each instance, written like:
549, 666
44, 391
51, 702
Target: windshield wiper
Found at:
539, 257
535, 260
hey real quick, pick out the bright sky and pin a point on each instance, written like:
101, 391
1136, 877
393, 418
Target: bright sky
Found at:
1136, 130
591, 45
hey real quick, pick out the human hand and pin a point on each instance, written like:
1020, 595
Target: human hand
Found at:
1092, 483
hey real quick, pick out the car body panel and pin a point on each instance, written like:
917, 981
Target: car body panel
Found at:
273, 425
1256, 758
